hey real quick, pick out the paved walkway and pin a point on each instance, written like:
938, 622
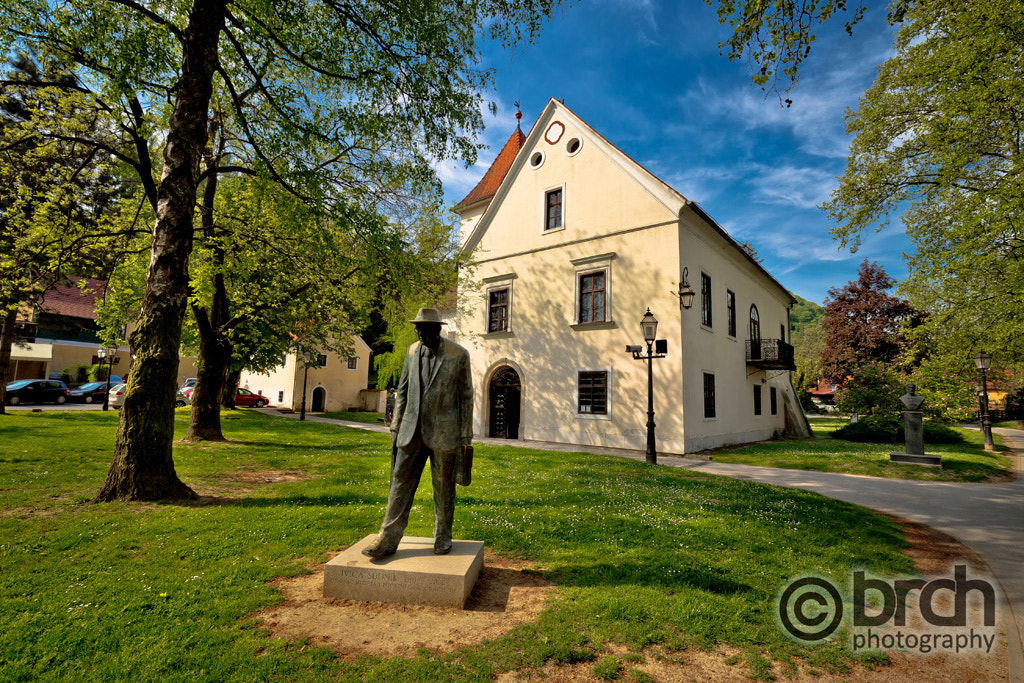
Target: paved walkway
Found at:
988, 518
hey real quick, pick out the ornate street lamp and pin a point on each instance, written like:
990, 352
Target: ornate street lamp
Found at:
102, 353
983, 362
649, 326
685, 292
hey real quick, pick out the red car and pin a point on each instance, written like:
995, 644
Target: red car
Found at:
243, 398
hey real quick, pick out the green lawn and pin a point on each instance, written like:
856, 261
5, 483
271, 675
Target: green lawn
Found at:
642, 556
355, 416
967, 461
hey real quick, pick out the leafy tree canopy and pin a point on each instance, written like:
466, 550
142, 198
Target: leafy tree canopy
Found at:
863, 323
938, 143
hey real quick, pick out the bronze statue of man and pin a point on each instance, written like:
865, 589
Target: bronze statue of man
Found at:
433, 420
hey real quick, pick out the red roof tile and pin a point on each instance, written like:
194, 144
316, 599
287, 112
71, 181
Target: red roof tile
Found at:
488, 185
69, 300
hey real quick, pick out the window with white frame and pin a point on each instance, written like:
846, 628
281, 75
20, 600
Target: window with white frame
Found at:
730, 307
497, 310
592, 297
353, 363
498, 303
705, 299
553, 213
709, 395
592, 302
592, 392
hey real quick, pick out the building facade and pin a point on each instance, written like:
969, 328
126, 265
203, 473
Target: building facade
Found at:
332, 386
572, 242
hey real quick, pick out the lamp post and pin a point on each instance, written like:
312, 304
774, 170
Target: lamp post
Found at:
305, 372
983, 362
649, 326
102, 353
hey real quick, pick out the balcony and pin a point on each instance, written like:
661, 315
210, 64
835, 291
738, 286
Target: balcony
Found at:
770, 354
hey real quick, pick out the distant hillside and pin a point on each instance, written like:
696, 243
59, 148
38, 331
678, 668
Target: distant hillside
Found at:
805, 314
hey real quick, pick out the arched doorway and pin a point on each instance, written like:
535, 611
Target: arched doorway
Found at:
319, 397
505, 393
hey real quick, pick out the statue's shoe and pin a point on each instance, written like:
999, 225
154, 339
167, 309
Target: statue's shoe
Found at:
380, 548
442, 547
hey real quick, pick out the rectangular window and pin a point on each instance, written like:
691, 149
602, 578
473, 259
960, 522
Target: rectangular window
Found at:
353, 363
553, 204
321, 360
757, 399
773, 400
730, 303
709, 395
705, 299
592, 297
497, 310
593, 393
280, 397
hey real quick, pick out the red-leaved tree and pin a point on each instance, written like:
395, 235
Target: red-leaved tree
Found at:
863, 323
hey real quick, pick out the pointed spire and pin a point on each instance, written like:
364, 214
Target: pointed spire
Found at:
489, 183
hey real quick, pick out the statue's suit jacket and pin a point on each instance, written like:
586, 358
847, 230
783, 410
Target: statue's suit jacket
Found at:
443, 409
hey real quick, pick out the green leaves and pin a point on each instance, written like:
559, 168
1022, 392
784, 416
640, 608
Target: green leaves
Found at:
937, 143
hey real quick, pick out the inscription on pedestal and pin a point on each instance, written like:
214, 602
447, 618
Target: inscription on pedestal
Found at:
413, 575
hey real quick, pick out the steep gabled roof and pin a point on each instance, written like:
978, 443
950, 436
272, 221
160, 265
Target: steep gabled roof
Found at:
488, 185
72, 301
495, 183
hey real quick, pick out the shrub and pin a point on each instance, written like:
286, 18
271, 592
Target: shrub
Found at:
889, 429
871, 390
939, 433
872, 429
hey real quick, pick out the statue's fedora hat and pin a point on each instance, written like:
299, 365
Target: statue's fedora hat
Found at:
428, 315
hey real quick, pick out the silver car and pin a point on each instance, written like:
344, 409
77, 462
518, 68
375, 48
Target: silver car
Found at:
115, 399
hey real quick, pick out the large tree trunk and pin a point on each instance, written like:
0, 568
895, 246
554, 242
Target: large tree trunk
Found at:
6, 342
214, 346
211, 374
143, 466
230, 384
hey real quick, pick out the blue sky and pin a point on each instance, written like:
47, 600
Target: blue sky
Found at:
647, 74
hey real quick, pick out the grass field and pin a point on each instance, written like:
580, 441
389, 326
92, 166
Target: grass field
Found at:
641, 556
967, 461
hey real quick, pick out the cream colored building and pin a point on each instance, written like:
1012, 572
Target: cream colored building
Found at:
335, 385
573, 241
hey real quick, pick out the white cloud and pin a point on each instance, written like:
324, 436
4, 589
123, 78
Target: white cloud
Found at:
803, 188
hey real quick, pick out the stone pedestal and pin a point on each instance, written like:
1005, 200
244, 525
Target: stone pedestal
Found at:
414, 575
913, 430
915, 459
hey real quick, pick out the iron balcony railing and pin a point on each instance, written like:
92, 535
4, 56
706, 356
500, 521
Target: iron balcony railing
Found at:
770, 354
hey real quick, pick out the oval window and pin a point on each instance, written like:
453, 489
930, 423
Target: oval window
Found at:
536, 159
573, 146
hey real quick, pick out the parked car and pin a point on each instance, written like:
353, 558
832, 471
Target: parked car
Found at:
183, 398
243, 398
116, 397
189, 383
36, 391
92, 392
